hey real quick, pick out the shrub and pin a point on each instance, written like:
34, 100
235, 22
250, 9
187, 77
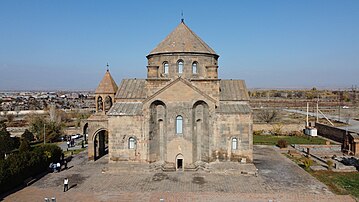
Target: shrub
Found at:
277, 129
330, 164
282, 143
307, 163
258, 132
296, 133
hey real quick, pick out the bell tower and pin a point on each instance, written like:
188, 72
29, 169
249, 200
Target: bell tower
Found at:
105, 93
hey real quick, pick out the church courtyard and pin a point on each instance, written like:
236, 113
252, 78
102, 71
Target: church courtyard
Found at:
278, 179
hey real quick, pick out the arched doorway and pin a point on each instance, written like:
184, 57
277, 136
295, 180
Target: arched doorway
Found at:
85, 131
100, 142
179, 162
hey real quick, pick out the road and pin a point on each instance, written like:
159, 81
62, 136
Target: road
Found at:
64, 147
353, 124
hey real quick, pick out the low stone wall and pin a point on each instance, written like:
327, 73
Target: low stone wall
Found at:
330, 132
284, 127
318, 148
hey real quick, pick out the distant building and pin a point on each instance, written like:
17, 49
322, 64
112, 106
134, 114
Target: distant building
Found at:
182, 114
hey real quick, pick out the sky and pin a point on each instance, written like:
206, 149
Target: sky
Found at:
65, 45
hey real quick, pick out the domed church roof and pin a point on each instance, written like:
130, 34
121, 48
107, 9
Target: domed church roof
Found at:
182, 40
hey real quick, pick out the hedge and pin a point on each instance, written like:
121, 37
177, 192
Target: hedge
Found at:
18, 167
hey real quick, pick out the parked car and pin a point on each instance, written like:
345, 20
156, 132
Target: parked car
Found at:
75, 136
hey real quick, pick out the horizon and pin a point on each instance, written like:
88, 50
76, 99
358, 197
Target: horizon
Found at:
64, 46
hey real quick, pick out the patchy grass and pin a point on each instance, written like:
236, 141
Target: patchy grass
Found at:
339, 183
73, 152
273, 140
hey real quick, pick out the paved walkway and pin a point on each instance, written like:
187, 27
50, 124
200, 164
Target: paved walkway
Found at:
279, 180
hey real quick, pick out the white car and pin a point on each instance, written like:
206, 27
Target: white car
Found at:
74, 137
345, 107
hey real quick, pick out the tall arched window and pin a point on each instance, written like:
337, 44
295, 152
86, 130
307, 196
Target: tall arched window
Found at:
131, 143
165, 67
234, 143
179, 124
194, 68
180, 66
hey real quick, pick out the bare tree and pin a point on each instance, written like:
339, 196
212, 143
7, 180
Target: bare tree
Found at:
268, 115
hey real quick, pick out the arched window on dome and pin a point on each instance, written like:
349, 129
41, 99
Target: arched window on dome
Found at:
194, 68
165, 67
180, 66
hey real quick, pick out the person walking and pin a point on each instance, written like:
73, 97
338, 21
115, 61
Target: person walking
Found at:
66, 184
58, 165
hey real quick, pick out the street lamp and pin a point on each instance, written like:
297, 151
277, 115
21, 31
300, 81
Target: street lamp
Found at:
44, 134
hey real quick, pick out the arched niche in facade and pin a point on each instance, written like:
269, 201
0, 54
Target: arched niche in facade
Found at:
200, 131
157, 131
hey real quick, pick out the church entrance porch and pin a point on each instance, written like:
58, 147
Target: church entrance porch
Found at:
100, 144
85, 131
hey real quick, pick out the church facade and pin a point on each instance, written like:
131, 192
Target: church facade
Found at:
182, 115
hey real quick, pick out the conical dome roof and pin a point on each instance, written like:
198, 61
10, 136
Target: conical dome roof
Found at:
182, 40
107, 85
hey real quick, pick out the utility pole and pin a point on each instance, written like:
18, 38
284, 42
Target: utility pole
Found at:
44, 133
307, 119
318, 109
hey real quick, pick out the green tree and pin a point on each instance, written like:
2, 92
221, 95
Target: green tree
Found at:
39, 125
2, 125
24, 145
28, 136
53, 131
7, 143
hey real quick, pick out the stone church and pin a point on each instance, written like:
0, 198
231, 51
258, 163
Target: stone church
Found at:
182, 115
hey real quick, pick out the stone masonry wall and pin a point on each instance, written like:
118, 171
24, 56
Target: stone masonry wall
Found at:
235, 126
121, 128
330, 132
203, 60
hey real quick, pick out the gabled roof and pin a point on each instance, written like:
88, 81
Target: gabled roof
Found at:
233, 90
132, 89
107, 85
179, 79
182, 39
